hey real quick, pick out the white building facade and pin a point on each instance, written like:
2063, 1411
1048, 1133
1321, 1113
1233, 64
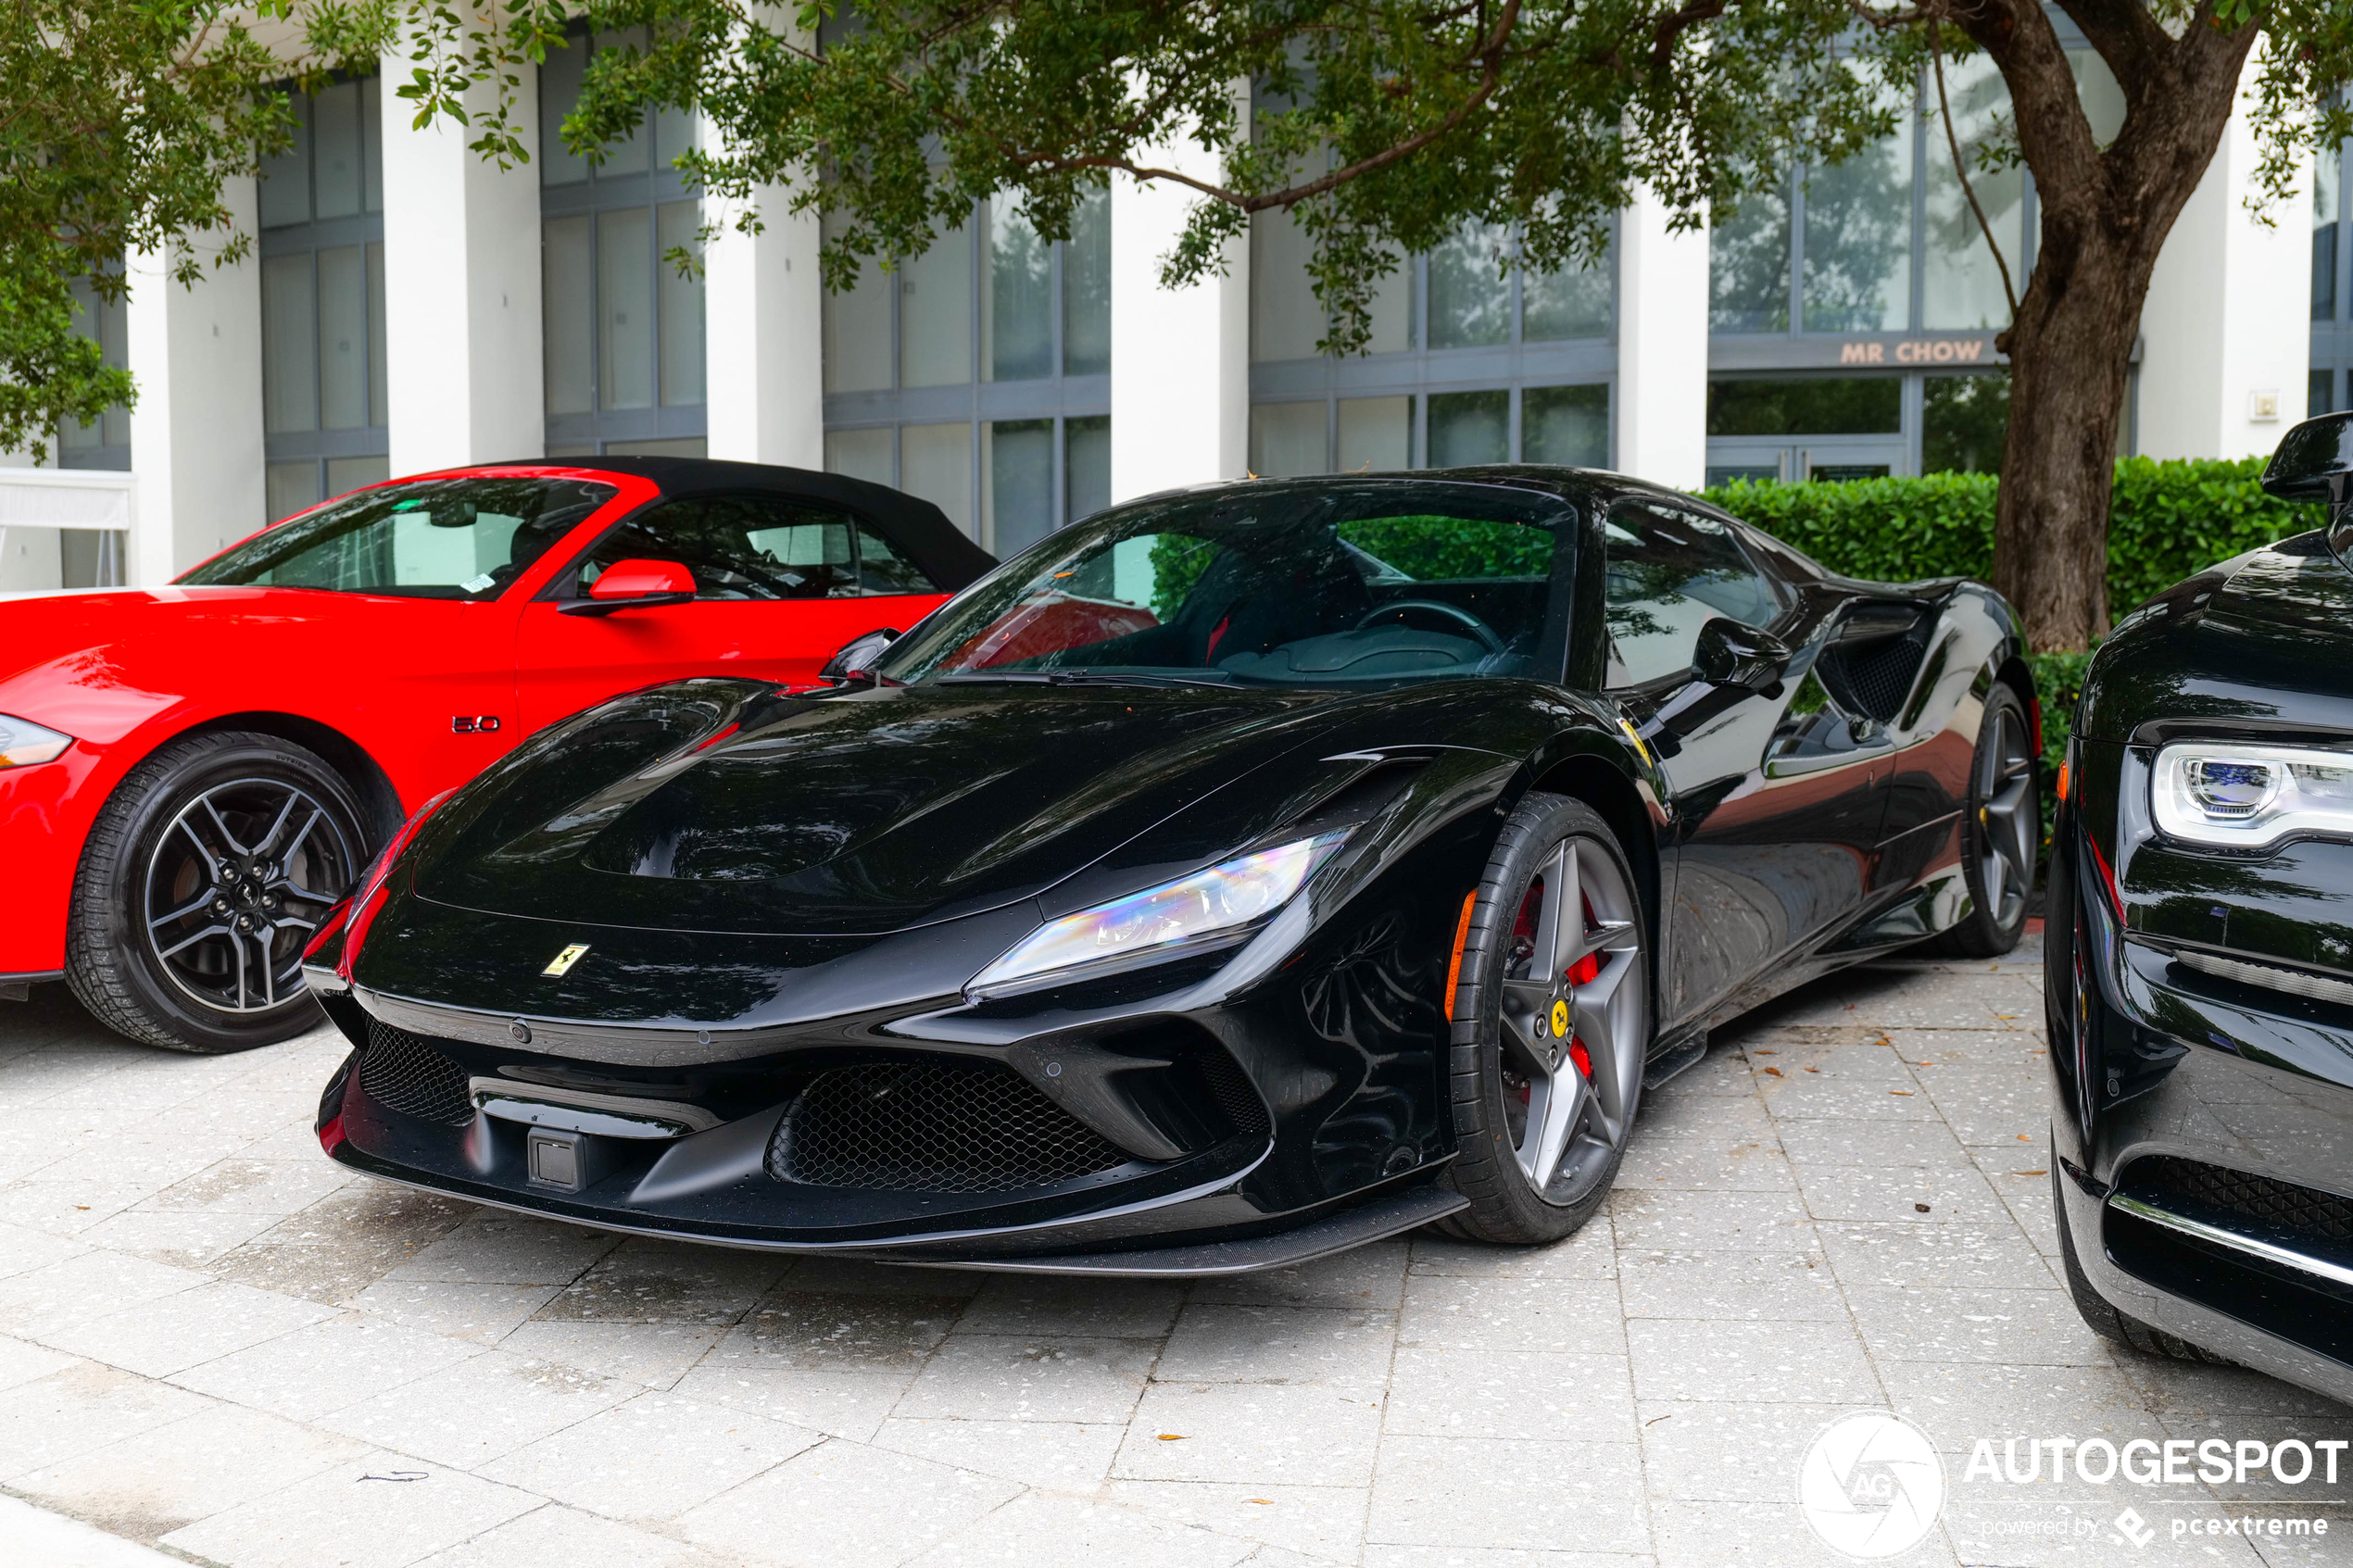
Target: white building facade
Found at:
410, 307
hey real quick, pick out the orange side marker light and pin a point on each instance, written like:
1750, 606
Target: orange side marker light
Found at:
1454, 965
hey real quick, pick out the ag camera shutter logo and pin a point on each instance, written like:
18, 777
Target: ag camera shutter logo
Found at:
1871, 1485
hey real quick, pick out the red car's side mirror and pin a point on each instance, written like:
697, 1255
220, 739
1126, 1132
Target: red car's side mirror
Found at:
634, 585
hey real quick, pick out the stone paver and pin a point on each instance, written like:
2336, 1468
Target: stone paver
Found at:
214, 1341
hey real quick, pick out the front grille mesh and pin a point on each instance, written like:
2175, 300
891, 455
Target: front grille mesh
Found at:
403, 1071
2307, 1211
918, 1127
1231, 1089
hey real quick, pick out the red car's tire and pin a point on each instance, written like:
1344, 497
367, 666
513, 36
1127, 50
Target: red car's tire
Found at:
198, 886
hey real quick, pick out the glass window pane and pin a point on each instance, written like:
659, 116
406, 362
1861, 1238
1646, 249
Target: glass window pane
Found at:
338, 176
350, 473
102, 323
1017, 456
936, 313
286, 177
2319, 394
342, 338
371, 141
1284, 320
1842, 406
1748, 266
1470, 427
377, 399
289, 487
664, 446
676, 227
2095, 86
1964, 422
1564, 424
626, 308
1555, 306
567, 316
1017, 307
2328, 180
882, 569
1962, 286
1392, 312
558, 94
289, 347
1086, 289
1858, 240
935, 462
1670, 572
1376, 434
857, 329
676, 132
861, 454
1470, 292
1086, 466
1288, 439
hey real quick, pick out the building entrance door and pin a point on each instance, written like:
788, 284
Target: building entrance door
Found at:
1793, 459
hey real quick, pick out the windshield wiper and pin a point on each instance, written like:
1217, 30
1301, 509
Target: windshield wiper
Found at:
1085, 677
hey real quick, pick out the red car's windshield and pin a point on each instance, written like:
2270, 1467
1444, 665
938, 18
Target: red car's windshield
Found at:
434, 538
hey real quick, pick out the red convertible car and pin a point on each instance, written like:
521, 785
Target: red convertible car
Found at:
191, 776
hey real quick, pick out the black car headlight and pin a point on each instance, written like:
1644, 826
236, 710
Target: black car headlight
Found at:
2238, 796
1162, 921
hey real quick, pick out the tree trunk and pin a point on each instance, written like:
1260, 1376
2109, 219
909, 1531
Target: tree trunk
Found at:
2105, 214
2071, 357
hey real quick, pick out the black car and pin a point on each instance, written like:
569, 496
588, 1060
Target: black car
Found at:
2199, 977
1240, 874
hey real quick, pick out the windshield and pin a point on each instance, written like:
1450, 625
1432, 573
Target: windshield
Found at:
1332, 584
433, 538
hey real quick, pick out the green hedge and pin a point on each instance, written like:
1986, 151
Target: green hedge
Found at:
2167, 519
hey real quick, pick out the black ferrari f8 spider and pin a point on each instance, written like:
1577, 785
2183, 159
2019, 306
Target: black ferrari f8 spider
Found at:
1241, 874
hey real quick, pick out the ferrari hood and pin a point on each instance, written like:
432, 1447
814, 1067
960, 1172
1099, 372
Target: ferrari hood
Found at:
869, 812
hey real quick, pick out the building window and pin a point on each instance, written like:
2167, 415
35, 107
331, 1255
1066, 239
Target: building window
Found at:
323, 302
2332, 287
1885, 245
624, 329
105, 442
1472, 360
978, 375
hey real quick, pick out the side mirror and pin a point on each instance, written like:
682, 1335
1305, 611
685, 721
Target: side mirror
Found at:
1731, 653
2314, 461
857, 656
627, 584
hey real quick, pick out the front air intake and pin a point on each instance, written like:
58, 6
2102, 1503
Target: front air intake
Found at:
920, 1127
403, 1071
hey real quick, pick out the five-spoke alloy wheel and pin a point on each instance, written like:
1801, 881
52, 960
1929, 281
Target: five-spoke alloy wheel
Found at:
1552, 1025
203, 878
2002, 832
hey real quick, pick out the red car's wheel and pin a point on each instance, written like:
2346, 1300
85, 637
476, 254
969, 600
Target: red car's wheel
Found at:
203, 879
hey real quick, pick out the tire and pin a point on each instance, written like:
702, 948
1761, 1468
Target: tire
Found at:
1541, 1126
2001, 833
201, 952
2121, 1328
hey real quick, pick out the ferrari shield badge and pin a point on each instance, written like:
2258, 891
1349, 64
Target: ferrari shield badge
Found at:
561, 964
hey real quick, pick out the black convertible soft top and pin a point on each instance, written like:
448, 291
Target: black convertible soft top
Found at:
918, 529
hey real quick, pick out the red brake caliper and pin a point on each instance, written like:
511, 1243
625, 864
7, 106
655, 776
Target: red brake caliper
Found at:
1580, 973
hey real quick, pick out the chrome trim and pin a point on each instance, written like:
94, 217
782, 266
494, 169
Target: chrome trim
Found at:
582, 1111
2271, 977
2270, 1252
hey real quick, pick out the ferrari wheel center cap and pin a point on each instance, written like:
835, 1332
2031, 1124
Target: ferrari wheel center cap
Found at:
1560, 1018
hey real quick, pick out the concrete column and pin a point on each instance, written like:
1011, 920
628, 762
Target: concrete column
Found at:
461, 290
1180, 357
2226, 330
1662, 347
764, 325
195, 431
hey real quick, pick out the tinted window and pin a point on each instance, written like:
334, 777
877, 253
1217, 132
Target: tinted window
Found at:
760, 547
1320, 585
440, 538
1670, 572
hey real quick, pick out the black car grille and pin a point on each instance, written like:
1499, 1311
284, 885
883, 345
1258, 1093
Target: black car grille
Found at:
2275, 1205
403, 1071
1873, 677
1230, 1087
918, 1127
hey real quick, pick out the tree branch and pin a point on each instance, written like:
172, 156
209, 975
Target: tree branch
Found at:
1960, 168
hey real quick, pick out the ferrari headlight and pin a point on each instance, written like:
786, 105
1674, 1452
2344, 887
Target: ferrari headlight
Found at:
2247, 797
1160, 921
23, 743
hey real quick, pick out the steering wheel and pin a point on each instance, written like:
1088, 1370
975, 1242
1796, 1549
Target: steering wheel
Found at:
1455, 613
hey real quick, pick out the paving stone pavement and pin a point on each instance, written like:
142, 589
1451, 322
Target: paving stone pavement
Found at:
214, 1342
